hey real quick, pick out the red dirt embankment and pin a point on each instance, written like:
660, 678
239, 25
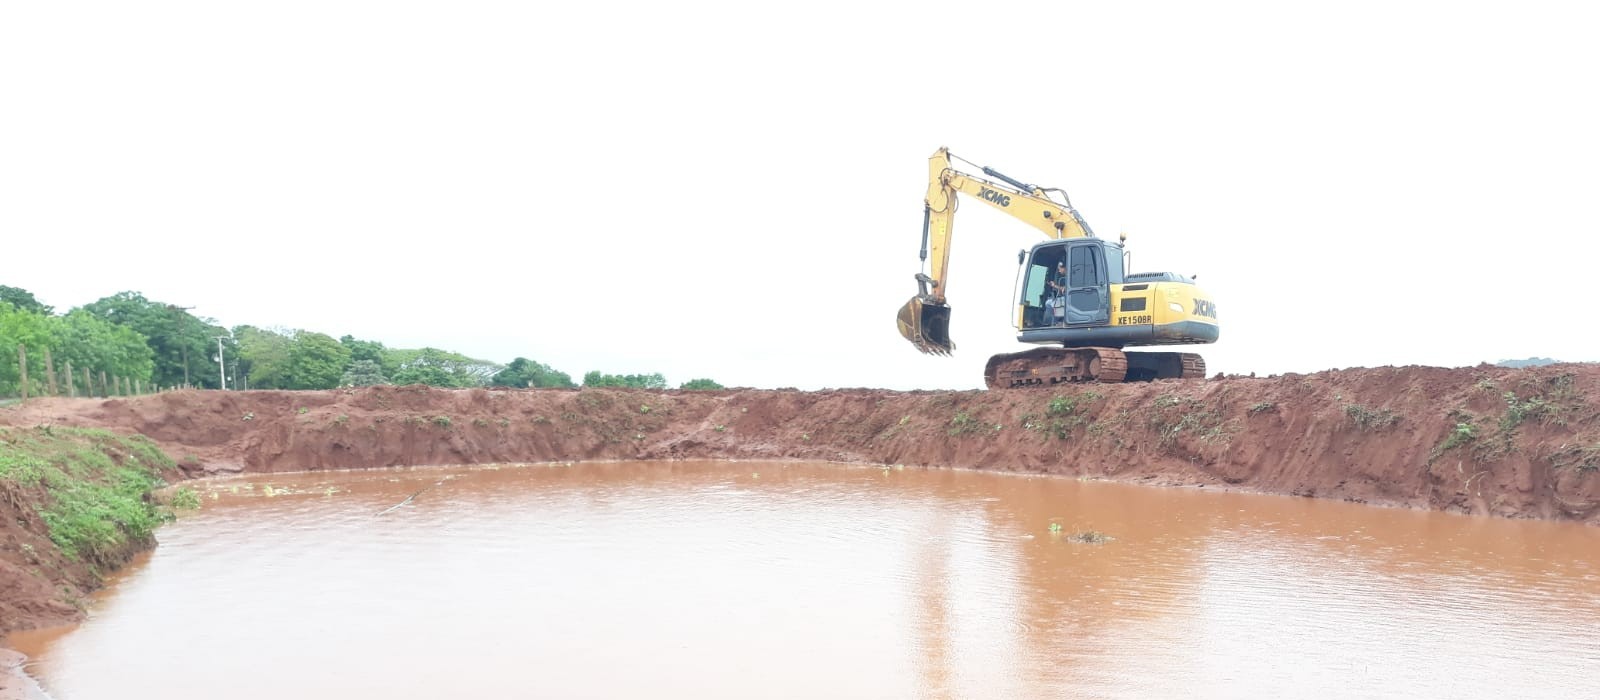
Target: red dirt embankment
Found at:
1504, 442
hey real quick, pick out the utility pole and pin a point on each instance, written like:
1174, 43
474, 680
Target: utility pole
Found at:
222, 372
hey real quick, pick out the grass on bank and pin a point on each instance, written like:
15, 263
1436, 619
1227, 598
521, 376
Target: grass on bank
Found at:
99, 485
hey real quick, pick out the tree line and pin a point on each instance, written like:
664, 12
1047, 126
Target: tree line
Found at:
126, 335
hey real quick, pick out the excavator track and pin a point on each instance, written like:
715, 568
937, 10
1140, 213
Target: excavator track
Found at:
1194, 366
1047, 367
1147, 366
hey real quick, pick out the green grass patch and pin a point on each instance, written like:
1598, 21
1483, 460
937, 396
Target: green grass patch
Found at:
1548, 402
1461, 435
1067, 405
1584, 458
1175, 417
1464, 433
964, 423
1520, 409
98, 483
1371, 418
185, 498
1062, 416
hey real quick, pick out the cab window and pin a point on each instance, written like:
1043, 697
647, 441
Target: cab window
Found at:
1083, 269
1113, 264
1033, 286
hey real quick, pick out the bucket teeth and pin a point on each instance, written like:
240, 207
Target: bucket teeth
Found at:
926, 325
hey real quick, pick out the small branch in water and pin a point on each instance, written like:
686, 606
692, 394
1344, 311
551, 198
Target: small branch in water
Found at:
413, 496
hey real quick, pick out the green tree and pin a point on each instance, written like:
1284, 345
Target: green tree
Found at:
87, 341
369, 350
442, 368
263, 357
628, 381
700, 385
425, 371
23, 299
523, 372
316, 361
79, 338
363, 373
181, 343
26, 328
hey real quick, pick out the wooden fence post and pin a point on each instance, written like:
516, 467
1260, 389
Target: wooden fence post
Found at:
67, 375
105, 389
49, 372
22, 362
88, 384
138, 386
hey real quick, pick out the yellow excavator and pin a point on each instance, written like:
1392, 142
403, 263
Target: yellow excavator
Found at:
1074, 295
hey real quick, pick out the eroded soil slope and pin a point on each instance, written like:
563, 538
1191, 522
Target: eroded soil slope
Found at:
1516, 443
1503, 442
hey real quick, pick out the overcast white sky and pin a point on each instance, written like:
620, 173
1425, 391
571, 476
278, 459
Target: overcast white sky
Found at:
734, 190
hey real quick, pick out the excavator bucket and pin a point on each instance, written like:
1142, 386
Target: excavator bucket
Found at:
926, 325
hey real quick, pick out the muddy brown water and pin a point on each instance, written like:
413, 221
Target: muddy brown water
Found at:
737, 580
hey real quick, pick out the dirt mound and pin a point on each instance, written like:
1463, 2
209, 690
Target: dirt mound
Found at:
1485, 440
1507, 442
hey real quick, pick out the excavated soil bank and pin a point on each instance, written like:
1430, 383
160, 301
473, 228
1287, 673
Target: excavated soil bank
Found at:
1521, 443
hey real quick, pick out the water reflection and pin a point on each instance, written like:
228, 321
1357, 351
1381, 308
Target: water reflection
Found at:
789, 580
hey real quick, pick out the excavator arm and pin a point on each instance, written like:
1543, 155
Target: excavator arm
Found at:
925, 320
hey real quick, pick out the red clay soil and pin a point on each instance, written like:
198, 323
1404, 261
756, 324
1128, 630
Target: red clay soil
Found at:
1520, 443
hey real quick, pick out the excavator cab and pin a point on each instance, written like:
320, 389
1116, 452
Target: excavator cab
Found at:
1068, 283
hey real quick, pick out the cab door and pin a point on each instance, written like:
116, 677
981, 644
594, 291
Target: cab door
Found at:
1088, 286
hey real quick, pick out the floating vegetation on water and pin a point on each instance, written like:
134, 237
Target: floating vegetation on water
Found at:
185, 498
1089, 537
1082, 536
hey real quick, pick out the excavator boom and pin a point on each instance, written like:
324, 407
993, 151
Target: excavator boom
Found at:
925, 319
